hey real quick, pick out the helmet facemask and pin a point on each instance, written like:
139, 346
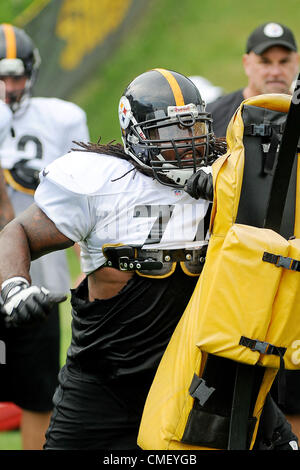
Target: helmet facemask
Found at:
174, 146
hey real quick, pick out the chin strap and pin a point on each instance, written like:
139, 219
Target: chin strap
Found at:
179, 176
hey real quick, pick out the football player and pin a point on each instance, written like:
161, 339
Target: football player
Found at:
42, 129
143, 242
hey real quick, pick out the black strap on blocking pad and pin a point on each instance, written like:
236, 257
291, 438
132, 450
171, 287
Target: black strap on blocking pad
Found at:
245, 380
285, 162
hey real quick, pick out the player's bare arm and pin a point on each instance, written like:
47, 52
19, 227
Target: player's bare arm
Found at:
31, 235
6, 209
27, 237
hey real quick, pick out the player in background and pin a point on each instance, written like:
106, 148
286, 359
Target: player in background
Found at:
42, 129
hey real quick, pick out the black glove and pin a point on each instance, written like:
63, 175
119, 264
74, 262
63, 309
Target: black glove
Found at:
274, 431
25, 305
200, 186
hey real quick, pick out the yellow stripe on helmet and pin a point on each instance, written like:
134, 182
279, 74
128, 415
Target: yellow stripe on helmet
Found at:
174, 86
10, 40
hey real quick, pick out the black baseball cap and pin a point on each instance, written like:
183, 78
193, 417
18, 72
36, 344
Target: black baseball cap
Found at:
268, 35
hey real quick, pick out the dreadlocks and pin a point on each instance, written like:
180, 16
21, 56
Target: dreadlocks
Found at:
113, 149
217, 148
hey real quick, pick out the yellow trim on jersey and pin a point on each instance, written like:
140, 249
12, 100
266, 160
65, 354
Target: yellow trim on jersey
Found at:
9, 180
186, 270
111, 244
179, 100
159, 276
10, 41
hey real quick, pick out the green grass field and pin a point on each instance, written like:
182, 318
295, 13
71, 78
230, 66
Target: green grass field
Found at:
194, 37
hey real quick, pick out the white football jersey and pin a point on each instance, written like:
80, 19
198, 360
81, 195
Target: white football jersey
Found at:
42, 130
93, 200
5, 120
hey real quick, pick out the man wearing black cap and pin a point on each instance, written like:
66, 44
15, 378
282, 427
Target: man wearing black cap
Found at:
270, 63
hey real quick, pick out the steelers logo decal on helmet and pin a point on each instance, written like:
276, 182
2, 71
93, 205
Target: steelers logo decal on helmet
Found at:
124, 112
273, 30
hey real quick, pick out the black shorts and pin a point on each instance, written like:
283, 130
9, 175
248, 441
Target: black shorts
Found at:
91, 414
30, 376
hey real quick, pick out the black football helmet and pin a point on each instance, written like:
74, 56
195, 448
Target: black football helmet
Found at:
164, 126
18, 57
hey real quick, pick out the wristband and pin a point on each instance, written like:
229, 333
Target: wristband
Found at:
12, 286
